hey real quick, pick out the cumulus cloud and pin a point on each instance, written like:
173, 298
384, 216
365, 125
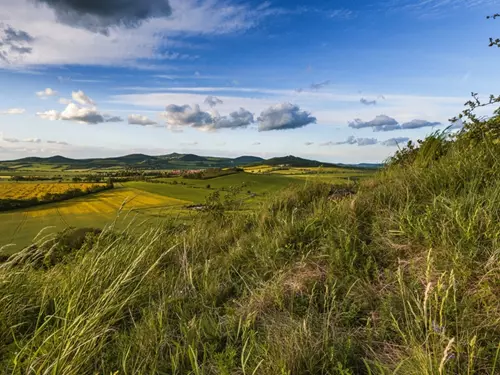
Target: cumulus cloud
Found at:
212, 101
64, 101
51, 115
398, 141
367, 102
140, 120
81, 98
185, 115
180, 116
378, 122
14, 44
84, 115
44, 94
417, 124
284, 116
237, 119
13, 111
99, 16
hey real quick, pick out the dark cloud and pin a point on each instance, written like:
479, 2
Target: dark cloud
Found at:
100, 15
367, 102
108, 118
398, 141
387, 128
352, 140
366, 141
212, 101
185, 115
378, 122
284, 116
16, 36
317, 86
14, 44
180, 116
237, 119
417, 124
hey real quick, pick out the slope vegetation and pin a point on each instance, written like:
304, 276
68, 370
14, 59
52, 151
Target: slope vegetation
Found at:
401, 278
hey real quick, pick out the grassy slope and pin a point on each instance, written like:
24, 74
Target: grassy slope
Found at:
403, 278
196, 190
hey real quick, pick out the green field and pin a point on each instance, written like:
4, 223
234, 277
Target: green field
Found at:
147, 201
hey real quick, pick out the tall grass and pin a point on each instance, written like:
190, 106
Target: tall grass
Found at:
402, 278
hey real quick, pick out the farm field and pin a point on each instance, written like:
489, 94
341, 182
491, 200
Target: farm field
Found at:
137, 199
27, 190
21, 226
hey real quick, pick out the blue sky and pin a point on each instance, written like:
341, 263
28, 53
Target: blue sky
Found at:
340, 81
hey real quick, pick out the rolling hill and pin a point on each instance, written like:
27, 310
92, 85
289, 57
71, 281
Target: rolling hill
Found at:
168, 161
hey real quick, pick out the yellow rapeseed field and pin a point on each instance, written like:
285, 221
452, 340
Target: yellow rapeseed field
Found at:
27, 190
107, 203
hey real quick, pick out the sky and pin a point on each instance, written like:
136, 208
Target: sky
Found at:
337, 81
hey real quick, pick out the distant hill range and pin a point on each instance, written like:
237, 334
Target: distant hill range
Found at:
169, 161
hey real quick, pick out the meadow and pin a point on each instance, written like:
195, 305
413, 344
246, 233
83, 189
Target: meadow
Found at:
133, 200
399, 274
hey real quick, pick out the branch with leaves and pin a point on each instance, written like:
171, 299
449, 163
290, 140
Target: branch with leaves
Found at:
494, 42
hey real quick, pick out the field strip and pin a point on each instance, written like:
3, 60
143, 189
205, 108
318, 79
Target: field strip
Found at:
20, 225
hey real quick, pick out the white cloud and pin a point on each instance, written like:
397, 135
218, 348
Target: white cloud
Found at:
62, 143
48, 92
32, 140
10, 140
140, 120
51, 115
64, 101
81, 98
84, 115
13, 111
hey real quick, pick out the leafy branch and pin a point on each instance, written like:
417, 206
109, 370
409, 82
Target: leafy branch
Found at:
494, 42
